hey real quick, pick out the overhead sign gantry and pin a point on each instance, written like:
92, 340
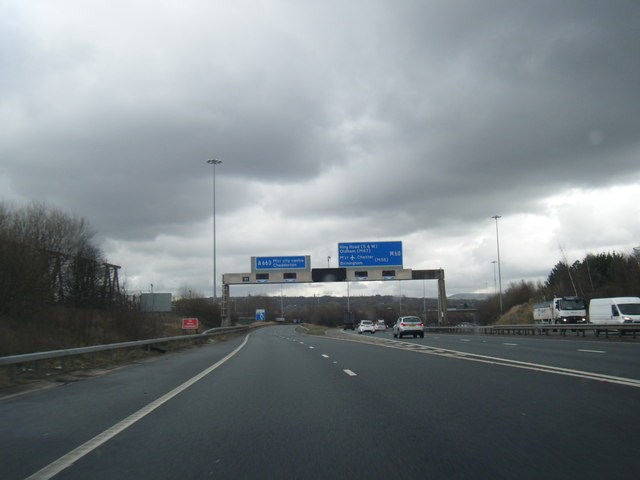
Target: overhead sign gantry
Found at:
359, 262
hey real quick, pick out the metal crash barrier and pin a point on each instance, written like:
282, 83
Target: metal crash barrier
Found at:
542, 329
10, 362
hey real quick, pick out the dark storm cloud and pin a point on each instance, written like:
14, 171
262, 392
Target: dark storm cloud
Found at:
134, 142
394, 117
498, 108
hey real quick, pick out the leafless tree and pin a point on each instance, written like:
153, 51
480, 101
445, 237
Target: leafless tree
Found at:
47, 256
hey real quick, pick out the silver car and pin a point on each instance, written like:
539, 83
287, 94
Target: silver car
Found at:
408, 326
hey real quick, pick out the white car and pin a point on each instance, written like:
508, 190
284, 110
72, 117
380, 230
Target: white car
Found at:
408, 326
380, 325
366, 326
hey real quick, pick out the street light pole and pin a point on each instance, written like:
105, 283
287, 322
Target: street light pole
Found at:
495, 284
496, 217
281, 303
214, 162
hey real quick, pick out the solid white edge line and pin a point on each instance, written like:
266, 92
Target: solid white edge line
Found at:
76, 454
474, 357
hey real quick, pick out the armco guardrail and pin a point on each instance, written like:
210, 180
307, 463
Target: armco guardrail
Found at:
36, 358
542, 329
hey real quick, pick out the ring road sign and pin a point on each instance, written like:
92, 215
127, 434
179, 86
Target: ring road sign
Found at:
370, 254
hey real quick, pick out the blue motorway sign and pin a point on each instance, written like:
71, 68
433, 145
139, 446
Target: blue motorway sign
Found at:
370, 254
281, 263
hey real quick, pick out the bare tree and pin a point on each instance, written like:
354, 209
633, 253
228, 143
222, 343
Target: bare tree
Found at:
48, 256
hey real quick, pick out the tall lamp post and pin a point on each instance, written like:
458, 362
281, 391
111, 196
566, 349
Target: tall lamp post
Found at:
496, 217
495, 278
214, 162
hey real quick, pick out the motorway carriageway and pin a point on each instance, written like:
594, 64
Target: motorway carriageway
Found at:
595, 360
282, 404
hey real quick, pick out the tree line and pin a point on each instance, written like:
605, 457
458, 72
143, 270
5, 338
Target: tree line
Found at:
330, 311
49, 257
600, 275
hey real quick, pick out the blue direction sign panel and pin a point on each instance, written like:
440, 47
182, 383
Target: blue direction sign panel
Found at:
281, 263
370, 254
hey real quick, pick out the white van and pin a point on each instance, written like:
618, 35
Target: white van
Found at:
614, 310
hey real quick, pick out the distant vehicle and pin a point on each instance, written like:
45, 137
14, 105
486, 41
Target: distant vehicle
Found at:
615, 310
408, 326
561, 310
366, 326
466, 327
349, 321
380, 325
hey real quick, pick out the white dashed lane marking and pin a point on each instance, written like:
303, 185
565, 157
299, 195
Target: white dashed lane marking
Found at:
498, 361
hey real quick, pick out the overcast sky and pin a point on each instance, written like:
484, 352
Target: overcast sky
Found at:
337, 121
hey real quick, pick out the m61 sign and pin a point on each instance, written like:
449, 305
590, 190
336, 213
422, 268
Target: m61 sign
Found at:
189, 323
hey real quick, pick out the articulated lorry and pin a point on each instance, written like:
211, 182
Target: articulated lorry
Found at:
561, 310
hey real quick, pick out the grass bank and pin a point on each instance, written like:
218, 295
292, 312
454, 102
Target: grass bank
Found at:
518, 315
311, 329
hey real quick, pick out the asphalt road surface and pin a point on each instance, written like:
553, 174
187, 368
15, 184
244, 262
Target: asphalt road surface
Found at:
281, 404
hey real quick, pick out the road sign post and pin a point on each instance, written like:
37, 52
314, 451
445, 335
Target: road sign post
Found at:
190, 324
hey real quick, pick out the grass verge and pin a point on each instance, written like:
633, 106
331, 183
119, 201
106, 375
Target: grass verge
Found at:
314, 329
79, 367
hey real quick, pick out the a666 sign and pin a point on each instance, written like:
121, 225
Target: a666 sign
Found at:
189, 323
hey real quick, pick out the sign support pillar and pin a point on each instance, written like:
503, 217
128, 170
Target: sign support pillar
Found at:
442, 300
225, 321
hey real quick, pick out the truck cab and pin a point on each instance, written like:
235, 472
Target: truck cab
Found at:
562, 310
